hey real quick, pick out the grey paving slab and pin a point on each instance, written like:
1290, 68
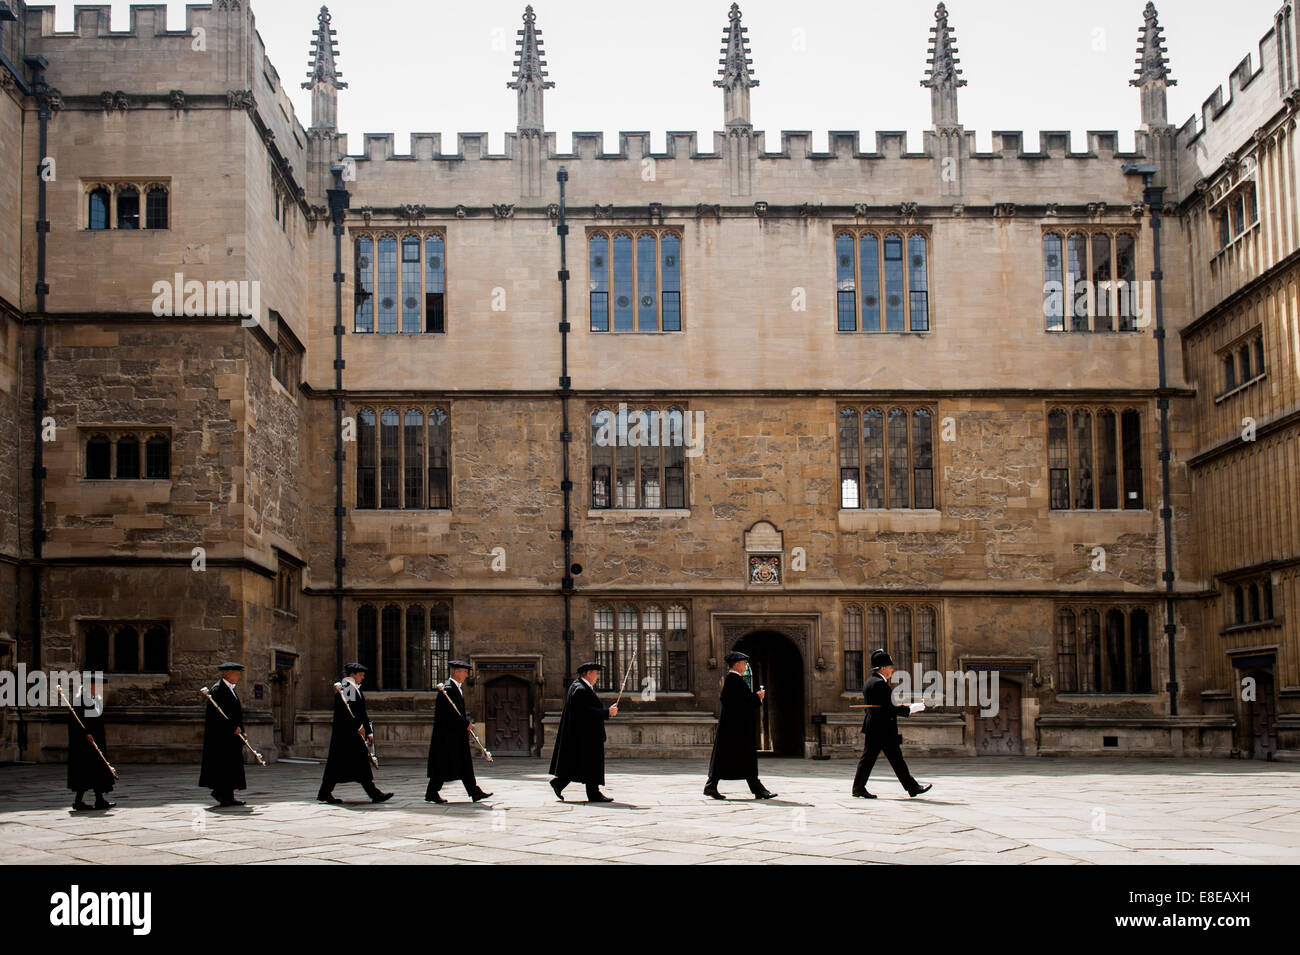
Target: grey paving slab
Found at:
981, 811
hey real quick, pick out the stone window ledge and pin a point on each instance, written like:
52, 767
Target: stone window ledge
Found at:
1272, 623
1112, 697
135, 681
622, 513
1241, 387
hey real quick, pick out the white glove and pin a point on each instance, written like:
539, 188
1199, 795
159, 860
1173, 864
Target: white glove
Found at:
915, 708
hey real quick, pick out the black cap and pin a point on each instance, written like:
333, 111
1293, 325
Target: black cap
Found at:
355, 668
881, 658
230, 666
589, 665
459, 665
734, 657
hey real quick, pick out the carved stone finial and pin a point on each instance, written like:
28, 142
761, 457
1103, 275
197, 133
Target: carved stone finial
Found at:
1152, 63
530, 73
321, 67
737, 77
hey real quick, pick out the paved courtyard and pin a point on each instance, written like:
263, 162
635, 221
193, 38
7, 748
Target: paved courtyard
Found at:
1022, 811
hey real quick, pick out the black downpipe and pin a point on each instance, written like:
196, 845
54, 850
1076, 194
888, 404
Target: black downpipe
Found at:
1153, 196
41, 89
566, 436
339, 201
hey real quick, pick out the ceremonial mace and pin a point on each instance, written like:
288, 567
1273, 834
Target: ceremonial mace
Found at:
626, 673
89, 738
208, 696
442, 688
338, 688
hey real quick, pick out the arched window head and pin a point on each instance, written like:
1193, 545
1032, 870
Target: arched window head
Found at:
128, 208
98, 212
155, 208
99, 457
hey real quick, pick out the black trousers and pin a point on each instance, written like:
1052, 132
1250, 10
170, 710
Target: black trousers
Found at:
327, 788
894, 753
755, 784
471, 785
593, 789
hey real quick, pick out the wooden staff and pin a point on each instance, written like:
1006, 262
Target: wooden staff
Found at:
442, 688
626, 673
338, 688
208, 696
90, 739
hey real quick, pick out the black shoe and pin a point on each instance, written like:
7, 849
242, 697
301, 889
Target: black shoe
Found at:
765, 794
80, 806
102, 803
332, 799
862, 793
559, 790
712, 791
480, 795
228, 803
598, 796
381, 797
434, 797
920, 790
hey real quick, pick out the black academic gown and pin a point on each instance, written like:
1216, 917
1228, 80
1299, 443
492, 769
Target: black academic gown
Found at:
223, 751
735, 745
579, 754
449, 755
880, 724
349, 758
86, 771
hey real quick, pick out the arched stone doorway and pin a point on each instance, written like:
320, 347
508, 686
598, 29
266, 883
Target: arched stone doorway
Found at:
777, 665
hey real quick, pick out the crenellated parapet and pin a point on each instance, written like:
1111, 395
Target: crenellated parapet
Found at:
792, 171
1262, 93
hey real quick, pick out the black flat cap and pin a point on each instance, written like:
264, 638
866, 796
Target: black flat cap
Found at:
734, 657
355, 668
230, 666
588, 666
459, 665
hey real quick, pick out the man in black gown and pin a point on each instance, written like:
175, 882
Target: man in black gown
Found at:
449, 755
223, 751
735, 747
579, 754
880, 726
350, 741
86, 770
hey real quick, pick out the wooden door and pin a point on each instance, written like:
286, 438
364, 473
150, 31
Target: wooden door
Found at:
284, 693
1263, 716
509, 704
999, 735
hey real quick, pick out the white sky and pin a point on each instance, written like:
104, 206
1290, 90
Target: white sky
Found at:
430, 66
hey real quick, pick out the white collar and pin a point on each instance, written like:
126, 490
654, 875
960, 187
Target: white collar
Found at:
228, 684
454, 681
590, 686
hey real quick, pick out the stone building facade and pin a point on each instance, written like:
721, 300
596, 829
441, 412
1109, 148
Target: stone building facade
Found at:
268, 396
